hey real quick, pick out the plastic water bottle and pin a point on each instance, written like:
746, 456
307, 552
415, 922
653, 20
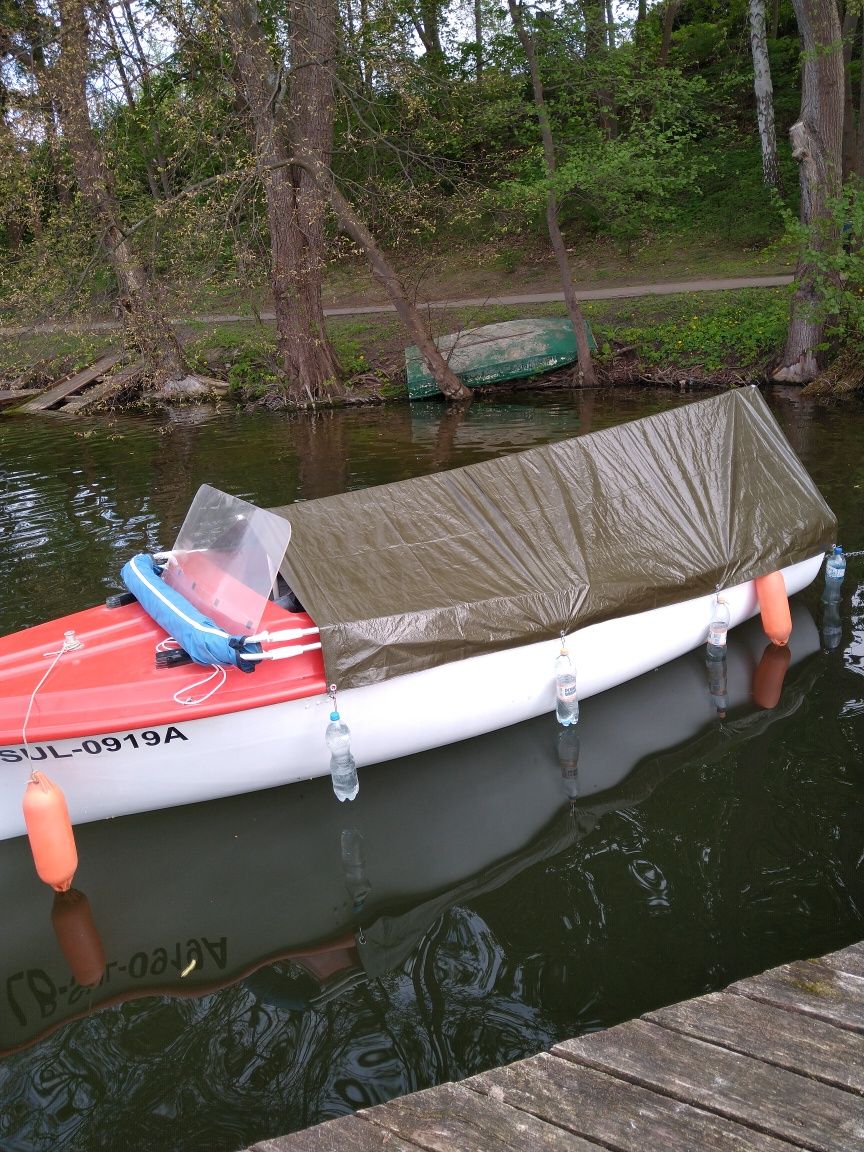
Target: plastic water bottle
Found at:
343, 769
717, 630
835, 565
566, 700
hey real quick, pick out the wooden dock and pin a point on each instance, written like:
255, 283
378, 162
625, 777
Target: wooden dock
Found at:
774, 1063
72, 384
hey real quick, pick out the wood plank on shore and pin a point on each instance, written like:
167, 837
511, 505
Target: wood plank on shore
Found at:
451, 1116
617, 1114
747, 1091
108, 387
72, 384
812, 988
798, 1043
15, 395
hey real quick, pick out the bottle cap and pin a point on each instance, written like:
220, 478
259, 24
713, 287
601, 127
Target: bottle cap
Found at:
334, 715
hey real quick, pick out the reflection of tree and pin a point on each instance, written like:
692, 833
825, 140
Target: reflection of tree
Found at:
322, 458
452, 419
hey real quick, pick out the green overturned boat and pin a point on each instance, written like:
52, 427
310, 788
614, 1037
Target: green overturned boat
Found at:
494, 353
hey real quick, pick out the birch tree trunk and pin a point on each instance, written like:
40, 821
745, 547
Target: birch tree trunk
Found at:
817, 140
764, 93
586, 364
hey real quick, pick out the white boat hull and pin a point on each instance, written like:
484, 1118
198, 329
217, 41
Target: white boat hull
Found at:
117, 773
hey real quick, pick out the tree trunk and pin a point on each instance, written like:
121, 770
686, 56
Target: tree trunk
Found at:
147, 329
850, 135
594, 15
353, 226
586, 364
764, 92
426, 18
859, 161
817, 147
312, 52
295, 209
478, 37
598, 33
670, 11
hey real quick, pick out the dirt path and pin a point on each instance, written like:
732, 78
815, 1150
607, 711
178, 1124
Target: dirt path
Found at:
667, 289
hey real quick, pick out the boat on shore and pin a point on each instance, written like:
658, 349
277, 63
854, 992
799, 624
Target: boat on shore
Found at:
436, 607
496, 353
330, 893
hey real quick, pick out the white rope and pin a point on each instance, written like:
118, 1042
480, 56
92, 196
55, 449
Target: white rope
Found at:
169, 644
218, 671
70, 643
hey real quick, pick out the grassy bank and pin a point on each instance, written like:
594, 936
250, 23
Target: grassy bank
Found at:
709, 337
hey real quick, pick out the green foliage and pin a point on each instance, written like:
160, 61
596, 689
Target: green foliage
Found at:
712, 332
630, 183
247, 360
350, 354
837, 260
436, 157
735, 206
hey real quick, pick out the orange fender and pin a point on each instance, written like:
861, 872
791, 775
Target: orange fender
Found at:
774, 606
78, 937
49, 831
770, 674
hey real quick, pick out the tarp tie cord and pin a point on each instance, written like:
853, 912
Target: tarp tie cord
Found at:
181, 696
70, 644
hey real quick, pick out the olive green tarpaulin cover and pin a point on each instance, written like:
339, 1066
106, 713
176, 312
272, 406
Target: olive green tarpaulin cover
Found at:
510, 551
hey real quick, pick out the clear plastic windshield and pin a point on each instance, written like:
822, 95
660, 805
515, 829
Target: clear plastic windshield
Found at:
226, 559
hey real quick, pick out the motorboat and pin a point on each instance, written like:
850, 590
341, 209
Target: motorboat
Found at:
435, 607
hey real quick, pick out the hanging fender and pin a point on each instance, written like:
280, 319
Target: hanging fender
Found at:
774, 607
49, 831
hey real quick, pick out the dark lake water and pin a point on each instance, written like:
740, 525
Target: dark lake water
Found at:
475, 904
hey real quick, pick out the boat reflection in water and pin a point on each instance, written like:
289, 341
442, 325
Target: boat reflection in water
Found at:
184, 901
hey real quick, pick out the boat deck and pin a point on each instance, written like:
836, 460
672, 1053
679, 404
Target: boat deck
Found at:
110, 682
773, 1063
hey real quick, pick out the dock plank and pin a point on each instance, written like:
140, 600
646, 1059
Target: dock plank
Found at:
102, 391
451, 1116
617, 1114
798, 1043
849, 960
348, 1133
71, 385
811, 988
739, 1088
9, 396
